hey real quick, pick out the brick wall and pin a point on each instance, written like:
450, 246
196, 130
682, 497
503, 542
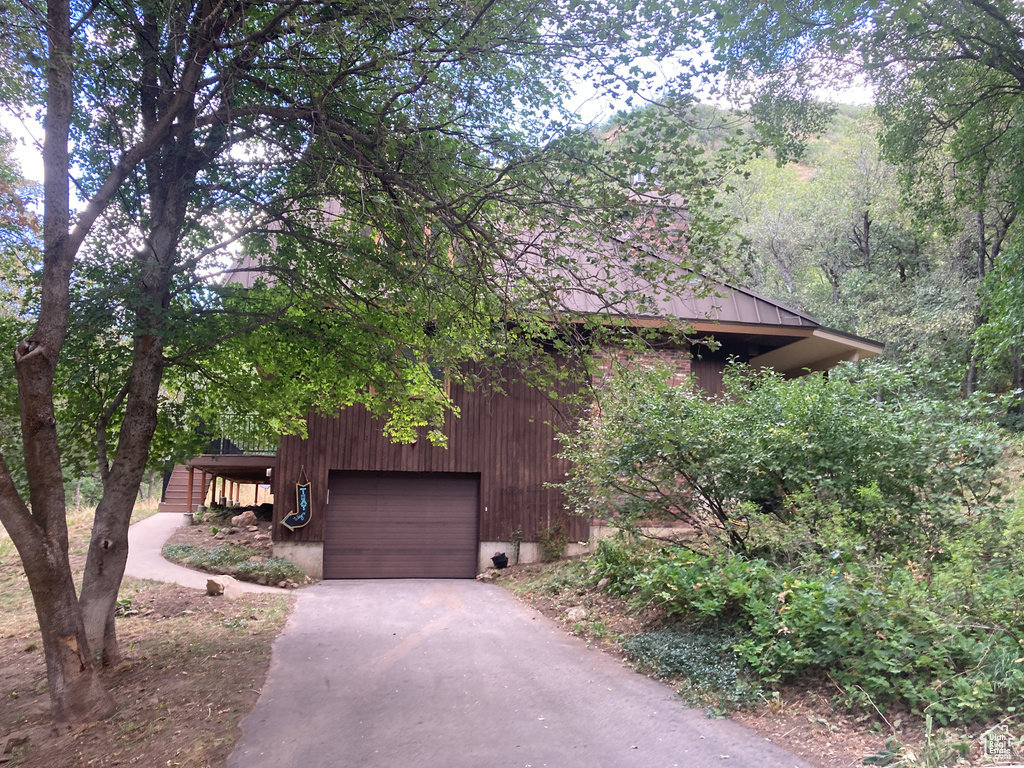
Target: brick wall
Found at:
608, 358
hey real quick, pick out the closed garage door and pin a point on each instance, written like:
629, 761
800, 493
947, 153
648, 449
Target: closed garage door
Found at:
401, 525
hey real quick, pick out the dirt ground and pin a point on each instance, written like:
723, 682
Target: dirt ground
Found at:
801, 718
193, 669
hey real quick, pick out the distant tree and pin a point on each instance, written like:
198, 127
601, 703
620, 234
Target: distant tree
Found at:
948, 79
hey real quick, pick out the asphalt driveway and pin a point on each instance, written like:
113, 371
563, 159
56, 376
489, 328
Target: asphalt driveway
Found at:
388, 674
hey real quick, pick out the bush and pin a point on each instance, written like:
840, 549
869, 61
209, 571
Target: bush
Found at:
235, 560
886, 632
704, 659
864, 450
552, 542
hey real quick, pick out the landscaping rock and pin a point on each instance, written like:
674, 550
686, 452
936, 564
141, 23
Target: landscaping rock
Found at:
487, 575
247, 518
224, 585
576, 613
13, 741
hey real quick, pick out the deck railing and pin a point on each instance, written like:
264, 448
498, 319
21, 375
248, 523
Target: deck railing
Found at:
241, 434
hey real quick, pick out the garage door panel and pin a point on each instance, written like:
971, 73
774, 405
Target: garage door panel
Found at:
401, 525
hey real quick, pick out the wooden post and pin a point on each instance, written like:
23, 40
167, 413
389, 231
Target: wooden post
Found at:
188, 495
204, 487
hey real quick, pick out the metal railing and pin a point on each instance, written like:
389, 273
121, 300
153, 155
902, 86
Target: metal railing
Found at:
241, 434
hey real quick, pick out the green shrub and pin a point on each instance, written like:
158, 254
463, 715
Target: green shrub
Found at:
887, 632
705, 659
552, 542
236, 560
862, 448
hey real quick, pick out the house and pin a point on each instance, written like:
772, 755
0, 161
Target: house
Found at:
348, 503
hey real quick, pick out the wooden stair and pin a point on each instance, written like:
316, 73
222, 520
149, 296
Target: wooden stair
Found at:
176, 496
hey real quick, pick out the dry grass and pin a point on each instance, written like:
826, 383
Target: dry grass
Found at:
193, 669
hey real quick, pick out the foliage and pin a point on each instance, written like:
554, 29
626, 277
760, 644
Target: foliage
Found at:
948, 87
552, 541
704, 658
849, 526
864, 450
888, 631
237, 560
833, 236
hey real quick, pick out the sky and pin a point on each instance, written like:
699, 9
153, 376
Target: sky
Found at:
591, 107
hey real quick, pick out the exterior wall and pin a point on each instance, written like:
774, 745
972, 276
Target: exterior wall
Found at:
607, 359
507, 439
308, 555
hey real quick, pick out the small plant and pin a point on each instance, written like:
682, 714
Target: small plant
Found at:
712, 673
517, 541
240, 561
552, 542
124, 607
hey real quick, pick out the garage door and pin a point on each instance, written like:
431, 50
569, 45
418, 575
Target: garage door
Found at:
401, 525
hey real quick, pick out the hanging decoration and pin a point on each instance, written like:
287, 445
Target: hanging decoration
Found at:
303, 511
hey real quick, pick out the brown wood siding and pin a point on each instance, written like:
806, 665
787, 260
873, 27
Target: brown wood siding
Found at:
508, 440
708, 376
401, 525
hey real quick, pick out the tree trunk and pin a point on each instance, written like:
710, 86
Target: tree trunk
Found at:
39, 530
171, 182
108, 548
76, 693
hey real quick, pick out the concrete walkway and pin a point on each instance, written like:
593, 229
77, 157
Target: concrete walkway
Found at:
145, 540
458, 674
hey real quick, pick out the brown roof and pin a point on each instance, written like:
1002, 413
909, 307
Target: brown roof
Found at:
792, 341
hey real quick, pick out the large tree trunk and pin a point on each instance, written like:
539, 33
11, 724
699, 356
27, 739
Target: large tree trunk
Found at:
76, 693
40, 531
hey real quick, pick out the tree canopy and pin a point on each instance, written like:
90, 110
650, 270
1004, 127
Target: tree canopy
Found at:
408, 186
948, 82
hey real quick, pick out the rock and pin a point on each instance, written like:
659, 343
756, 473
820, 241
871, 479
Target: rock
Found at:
219, 535
487, 575
224, 585
14, 741
604, 583
246, 518
576, 614
252, 528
